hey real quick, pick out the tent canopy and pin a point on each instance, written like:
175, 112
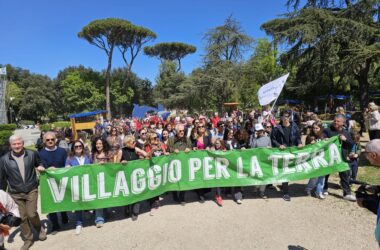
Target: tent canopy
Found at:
96, 112
140, 111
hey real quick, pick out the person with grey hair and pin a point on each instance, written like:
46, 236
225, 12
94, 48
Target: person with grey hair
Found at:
373, 121
52, 157
372, 153
18, 172
337, 128
178, 143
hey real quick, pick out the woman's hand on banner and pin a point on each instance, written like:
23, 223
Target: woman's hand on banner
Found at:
282, 147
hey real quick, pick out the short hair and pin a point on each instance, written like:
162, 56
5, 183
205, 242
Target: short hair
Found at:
373, 146
340, 116
178, 126
49, 134
128, 139
13, 138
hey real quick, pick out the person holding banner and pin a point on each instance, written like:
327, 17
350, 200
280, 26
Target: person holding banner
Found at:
101, 154
284, 135
130, 153
179, 142
77, 157
316, 135
154, 148
52, 157
337, 128
201, 142
18, 172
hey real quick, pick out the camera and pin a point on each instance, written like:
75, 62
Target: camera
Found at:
9, 219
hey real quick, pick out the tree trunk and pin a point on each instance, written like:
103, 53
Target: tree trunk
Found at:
362, 78
108, 80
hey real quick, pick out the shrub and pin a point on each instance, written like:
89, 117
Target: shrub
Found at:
4, 136
62, 124
10, 127
45, 127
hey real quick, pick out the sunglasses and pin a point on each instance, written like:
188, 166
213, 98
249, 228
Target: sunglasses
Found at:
154, 138
50, 139
181, 131
201, 126
268, 126
143, 134
78, 146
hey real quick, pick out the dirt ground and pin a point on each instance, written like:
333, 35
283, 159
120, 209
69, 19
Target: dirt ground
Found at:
303, 223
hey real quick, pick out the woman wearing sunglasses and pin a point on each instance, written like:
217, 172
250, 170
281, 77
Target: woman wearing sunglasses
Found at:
101, 154
115, 142
131, 153
201, 142
77, 157
153, 148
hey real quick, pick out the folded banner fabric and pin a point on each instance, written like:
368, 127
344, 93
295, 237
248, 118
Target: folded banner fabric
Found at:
270, 91
100, 186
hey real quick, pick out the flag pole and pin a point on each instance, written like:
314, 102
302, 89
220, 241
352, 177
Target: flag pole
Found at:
274, 103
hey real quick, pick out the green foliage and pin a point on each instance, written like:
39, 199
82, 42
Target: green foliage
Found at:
81, 93
45, 127
170, 51
227, 42
61, 124
26, 122
4, 136
10, 127
331, 44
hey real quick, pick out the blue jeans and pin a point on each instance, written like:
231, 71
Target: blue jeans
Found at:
99, 215
317, 182
79, 218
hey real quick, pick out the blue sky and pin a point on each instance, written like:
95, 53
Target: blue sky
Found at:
41, 35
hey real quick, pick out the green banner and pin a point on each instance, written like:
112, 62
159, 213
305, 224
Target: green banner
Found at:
100, 186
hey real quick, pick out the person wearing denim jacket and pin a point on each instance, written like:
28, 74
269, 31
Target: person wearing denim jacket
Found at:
77, 157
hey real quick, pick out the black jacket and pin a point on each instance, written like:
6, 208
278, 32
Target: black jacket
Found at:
10, 174
346, 145
278, 137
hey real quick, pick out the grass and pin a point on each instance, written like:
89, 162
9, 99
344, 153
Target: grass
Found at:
369, 174
31, 147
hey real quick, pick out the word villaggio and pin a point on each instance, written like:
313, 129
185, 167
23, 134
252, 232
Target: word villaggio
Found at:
212, 168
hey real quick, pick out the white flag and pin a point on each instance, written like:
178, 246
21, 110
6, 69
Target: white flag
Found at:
270, 91
3, 71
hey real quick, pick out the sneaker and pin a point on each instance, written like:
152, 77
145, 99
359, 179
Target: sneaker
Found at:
263, 196
54, 232
325, 193
286, 197
134, 217
320, 196
42, 234
201, 199
349, 197
78, 229
239, 202
27, 245
99, 224
219, 200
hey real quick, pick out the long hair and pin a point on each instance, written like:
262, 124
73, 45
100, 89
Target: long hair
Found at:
106, 146
72, 150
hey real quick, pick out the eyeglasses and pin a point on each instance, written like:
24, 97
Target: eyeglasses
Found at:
78, 146
50, 139
201, 126
268, 126
181, 131
154, 138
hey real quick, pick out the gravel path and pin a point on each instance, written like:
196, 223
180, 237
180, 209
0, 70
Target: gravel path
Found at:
303, 223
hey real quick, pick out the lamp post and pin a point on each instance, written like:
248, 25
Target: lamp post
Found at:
10, 108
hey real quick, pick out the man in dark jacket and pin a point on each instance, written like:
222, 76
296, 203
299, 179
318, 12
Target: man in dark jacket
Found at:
18, 172
284, 135
337, 128
178, 143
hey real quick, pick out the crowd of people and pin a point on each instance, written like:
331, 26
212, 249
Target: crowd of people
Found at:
125, 140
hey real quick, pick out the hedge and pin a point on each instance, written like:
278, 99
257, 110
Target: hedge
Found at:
9, 127
4, 136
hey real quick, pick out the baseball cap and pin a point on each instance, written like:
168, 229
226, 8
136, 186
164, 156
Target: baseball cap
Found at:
258, 127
